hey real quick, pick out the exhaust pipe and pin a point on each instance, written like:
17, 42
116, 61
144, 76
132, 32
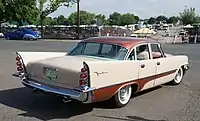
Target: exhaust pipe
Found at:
66, 99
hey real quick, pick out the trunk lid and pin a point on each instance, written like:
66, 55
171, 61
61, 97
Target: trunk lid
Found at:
59, 71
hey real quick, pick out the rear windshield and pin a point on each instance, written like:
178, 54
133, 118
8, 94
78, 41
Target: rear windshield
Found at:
100, 50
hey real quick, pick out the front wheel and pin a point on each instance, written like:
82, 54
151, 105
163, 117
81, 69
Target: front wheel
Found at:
122, 97
179, 77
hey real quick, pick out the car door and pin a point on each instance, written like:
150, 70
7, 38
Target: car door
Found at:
164, 70
147, 68
15, 34
21, 33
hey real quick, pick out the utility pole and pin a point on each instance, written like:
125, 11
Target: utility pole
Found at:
41, 17
78, 19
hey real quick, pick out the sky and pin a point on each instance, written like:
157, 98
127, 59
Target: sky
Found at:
142, 8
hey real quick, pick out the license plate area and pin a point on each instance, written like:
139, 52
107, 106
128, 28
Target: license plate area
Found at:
50, 73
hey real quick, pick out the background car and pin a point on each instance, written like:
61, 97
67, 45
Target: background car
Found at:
1, 35
22, 34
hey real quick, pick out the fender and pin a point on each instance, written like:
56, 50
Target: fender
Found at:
108, 92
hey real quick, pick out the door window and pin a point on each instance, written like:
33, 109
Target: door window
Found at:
143, 52
156, 52
92, 49
132, 55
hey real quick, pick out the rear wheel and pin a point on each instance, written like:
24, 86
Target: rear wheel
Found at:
179, 77
7, 38
122, 97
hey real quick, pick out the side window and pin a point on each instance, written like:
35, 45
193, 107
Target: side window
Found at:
156, 52
132, 55
143, 52
78, 49
106, 48
92, 48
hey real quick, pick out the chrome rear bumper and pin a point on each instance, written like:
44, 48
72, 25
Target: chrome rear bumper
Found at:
80, 94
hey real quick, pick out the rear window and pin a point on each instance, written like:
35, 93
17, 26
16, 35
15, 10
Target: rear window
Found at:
100, 50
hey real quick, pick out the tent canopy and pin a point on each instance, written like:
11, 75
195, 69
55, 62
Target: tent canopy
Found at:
144, 31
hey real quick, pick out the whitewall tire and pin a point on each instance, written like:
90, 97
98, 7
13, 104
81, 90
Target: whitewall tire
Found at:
122, 97
178, 77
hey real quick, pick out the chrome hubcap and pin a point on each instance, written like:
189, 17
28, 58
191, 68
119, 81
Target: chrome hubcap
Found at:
124, 94
178, 76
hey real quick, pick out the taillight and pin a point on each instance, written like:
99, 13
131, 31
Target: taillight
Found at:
84, 76
18, 58
19, 64
20, 69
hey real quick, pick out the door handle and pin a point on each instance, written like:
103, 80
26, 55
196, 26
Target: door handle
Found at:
158, 63
142, 66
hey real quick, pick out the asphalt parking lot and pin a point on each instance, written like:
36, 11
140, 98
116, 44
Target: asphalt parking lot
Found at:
167, 103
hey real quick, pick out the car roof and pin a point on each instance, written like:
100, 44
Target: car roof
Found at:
127, 42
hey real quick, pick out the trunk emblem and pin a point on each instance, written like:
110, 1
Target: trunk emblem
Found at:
50, 73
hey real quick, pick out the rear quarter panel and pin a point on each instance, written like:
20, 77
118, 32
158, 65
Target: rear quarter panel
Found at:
108, 73
109, 76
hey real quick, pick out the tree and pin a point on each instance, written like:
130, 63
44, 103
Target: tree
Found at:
114, 19
2, 12
86, 18
21, 11
152, 20
189, 16
101, 18
55, 21
127, 19
137, 19
62, 20
52, 7
162, 18
173, 20
48, 21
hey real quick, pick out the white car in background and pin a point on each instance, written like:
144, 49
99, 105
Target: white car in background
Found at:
1, 35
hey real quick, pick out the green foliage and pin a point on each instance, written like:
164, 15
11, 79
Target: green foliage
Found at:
173, 20
127, 19
2, 12
162, 18
21, 11
114, 19
86, 18
137, 19
62, 20
102, 19
152, 20
122, 19
53, 5
48, 21
189, 16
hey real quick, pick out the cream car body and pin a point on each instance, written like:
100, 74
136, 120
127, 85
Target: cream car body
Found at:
93, 72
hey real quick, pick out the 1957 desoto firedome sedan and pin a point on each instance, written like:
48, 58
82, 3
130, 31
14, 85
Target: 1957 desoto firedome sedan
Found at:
101, 68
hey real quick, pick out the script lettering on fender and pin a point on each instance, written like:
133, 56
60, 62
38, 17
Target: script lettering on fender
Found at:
100, 73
